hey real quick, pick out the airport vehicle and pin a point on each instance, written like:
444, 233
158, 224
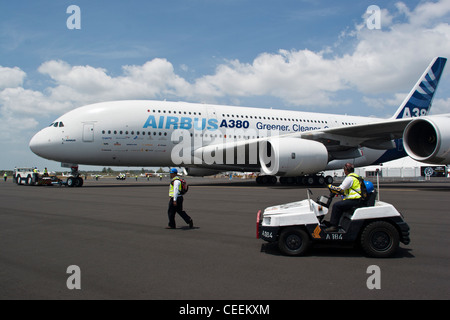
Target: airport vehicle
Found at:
121, 176
31, 177
209, 139
377, 226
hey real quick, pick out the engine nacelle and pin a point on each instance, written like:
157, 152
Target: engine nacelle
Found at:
201, 172
292, 157
427, 139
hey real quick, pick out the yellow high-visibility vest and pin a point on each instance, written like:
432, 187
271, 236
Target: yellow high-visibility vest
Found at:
171, 187
355, 190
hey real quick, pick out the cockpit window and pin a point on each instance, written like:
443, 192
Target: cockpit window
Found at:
61, 124
56, 124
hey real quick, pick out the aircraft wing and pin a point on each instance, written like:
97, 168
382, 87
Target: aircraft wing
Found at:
341, 142
376, 135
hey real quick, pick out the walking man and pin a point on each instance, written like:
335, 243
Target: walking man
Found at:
176, 201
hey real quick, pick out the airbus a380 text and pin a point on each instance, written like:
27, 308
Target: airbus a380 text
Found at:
207, 139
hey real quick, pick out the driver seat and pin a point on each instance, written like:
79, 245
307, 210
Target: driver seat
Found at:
370, 202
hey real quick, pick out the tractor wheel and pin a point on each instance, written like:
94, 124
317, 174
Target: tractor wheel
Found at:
380, 239
294, 241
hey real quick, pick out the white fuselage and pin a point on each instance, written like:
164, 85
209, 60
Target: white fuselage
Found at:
141, 133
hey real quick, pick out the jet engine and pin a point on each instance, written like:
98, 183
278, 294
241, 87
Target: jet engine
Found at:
201, 172
292, 157
427, 139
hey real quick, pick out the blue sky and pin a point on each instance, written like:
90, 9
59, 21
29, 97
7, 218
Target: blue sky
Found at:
302, 55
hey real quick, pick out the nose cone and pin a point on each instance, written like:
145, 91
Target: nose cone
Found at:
41, 143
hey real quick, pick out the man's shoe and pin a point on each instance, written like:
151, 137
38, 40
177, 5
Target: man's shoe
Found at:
191, 224
331, 229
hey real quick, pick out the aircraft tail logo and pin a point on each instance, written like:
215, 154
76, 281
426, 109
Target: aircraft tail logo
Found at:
418, 102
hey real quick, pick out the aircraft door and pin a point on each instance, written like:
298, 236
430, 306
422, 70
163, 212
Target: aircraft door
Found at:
88, 132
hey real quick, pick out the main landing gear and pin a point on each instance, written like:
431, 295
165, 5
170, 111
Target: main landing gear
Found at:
309, 180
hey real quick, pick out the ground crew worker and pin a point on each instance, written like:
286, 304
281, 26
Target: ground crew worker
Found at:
5, 176
45, 172
351, 189
176, 201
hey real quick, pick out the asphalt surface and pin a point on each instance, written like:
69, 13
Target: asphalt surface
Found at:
114, 231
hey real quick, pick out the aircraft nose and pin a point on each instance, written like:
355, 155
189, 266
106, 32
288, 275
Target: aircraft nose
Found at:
40, 143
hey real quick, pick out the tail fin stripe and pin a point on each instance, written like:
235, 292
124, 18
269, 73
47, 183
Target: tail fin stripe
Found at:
431, 85
424, 89
432, 76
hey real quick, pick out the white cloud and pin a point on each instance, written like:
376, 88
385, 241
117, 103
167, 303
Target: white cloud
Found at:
426, 12
19, 101
11, 77
440, 106
297, 77
389, 60
85, 84
386, 60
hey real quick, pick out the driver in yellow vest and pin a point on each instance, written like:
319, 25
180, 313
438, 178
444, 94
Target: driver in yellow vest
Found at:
176, 201
351, 189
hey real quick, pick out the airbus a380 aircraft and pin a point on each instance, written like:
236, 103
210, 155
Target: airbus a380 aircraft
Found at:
207, 139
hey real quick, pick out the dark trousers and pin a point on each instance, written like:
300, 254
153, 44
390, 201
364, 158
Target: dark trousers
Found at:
177, 209
340, 207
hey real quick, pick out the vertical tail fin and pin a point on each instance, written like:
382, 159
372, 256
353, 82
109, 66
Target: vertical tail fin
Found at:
418, 101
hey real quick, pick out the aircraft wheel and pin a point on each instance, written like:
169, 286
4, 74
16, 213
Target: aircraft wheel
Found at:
309, 181
321, 180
